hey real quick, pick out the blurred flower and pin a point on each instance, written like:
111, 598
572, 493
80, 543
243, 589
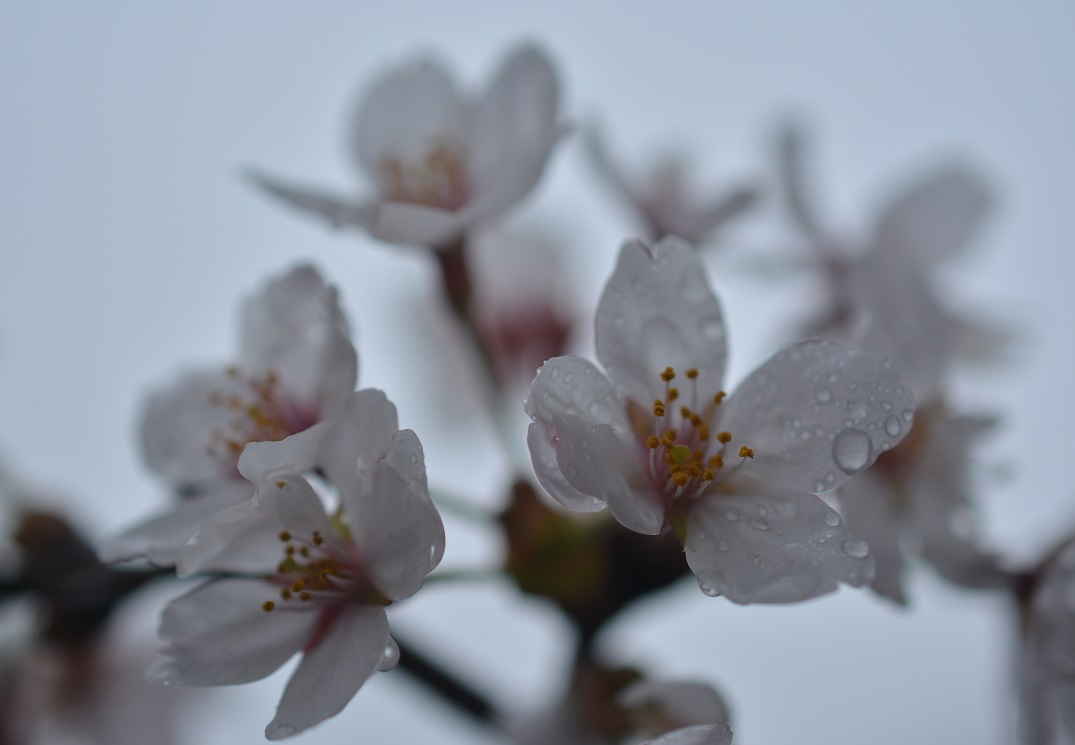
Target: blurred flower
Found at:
666, 200
442, 162
734, 479
318, 584
522, 310
916, 499
890, 281
295, 365
1046, 665
614, 706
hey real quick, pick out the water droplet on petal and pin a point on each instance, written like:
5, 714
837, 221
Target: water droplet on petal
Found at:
708, 588
908, 415
856, 408
819, 486
893, 426
391, 657
824, 396
886, 406
804, 435
855, 548
832, 519
733, 515
759, 523
723, 546
851, 450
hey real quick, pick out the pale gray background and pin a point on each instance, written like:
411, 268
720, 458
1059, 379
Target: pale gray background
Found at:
128, 238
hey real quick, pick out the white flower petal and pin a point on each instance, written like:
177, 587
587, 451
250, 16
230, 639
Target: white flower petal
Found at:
416, 224
294, 327
517, 113
406, 112
708, 219
338, 211
295, 454
705, 734
360, 435
395, 526
159, 539
595, 461
869, 506
244, 538
762, 545
184, 428
331, 673
657, 311
219, 634
816, 413
935, 217
679, 703
568, 387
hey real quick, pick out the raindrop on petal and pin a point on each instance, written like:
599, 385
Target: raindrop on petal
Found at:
708, 588
855, 548
832, 519
391, 657
893, 426
851, 450
723, 546
824, 396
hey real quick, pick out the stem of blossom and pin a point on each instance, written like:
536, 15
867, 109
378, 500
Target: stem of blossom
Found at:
458, 291
449, 688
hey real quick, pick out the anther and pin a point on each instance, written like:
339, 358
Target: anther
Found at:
692, 373
708, 475
299, 584
285, 536
673, 394
745, 452
703, 432
717, 461
685, 412
724, 437
268, 605
285, 594
652, 442
721, 395
318, 540
658, 408
304, 596
290, 550
681, 479
668, 374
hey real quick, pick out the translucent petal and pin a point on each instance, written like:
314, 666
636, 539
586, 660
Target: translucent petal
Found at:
596, 462
705, 734
184, 427
568, 387
159, 539
294, 327
338, 211
761, 545
868, 504
405, 111
816, 413
658, 311
219, 634
416, 224
359, 436
936, 217
331, 673
395, 525
679, 703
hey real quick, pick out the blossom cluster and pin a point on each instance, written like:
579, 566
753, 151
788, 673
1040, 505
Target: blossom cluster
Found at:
301, 512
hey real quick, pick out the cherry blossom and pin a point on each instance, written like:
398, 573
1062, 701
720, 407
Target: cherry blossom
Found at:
892, 271
440, 160
295, 364
659, 443
318, 583
666, 200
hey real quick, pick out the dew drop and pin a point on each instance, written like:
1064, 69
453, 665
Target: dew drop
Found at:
804, 435
908, 415
759, 523
832, 519
893, 426
733, 515
886, 406
555, 373
391, 657
414, 459
819, 486
824, 396
708, 588
851, 450
797, 422
723, 546
830, 477
856, 408
855, 548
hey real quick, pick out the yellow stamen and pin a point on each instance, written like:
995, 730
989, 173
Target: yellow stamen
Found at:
658, 407
745, 452
692, 373
668, 374
652, 442
724, 437
268, 605
717, 461
719, 397
285, 536
673, 394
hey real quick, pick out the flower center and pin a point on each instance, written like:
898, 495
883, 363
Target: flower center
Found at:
261, 414
682, 457
438, 179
